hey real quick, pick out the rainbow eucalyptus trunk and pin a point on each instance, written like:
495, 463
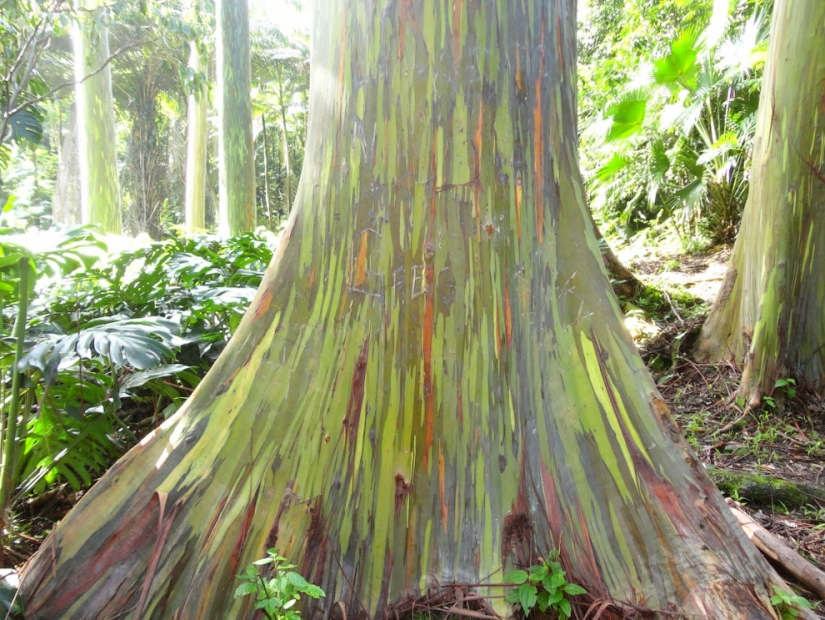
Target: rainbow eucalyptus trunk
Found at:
99, 186
236, 158
196, 132
432, 384
769, 311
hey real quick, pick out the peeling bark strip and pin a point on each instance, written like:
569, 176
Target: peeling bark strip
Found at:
768, 315
474, 404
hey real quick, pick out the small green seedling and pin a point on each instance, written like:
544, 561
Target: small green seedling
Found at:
787, 604
276, 596
545, 586
787, 385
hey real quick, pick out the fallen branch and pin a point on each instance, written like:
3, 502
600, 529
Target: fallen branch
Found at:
767, 492
775, 548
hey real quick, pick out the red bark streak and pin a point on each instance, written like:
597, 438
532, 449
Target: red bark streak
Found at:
459, 403
519, 82
313, 564
119, 550
587, 564
240, 543
442, 489
164, 524
356, 397
361, 264
551, 501
402, 30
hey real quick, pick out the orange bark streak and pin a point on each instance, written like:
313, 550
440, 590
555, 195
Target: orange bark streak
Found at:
361, 264
519, 83
457, 11
311, 279
264, 303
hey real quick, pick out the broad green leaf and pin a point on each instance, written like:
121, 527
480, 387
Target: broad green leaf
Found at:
680, 66
245, 589
516, 577
527, 598
627, 116
574, 589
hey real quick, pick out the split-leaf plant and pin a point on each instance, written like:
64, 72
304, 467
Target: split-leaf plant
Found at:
110, 346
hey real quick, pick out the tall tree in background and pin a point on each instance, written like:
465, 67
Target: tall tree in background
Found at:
769, 315
196, 134
432, 383
236, 211
99, 189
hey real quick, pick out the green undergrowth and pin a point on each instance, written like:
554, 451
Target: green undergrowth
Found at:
114, 342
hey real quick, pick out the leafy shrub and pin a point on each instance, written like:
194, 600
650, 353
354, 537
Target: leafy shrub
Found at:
276, 596
112, 341
676, 141
544, 586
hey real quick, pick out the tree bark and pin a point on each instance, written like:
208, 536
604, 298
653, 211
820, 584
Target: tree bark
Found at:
66, 202
285, 140
236, 159
433, 384
267, 204
768, 315
99, 186
196, 132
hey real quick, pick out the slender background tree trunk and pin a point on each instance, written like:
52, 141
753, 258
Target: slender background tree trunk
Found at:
236, 158
769, 313
433, 384
196, 130
99, 187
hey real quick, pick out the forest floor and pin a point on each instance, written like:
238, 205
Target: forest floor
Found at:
772, 458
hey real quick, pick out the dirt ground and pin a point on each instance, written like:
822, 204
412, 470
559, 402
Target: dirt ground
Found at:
783, 440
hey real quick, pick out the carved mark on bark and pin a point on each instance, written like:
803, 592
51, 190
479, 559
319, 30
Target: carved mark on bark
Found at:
402, 489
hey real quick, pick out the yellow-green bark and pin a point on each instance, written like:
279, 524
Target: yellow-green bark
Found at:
433, 384
769, 314
236, 157
196, 128
99, 186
